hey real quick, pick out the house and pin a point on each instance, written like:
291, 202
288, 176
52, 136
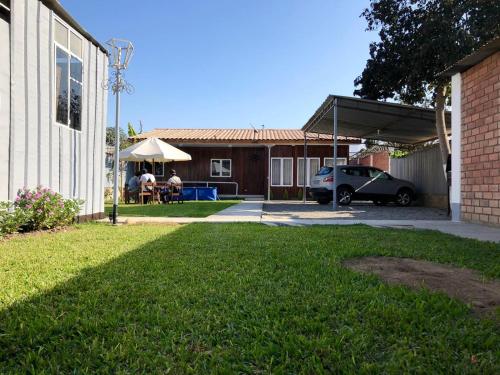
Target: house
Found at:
52, 104
249, 162
374, 156
475, 190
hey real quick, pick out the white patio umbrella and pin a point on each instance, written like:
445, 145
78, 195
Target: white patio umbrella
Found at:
153, 150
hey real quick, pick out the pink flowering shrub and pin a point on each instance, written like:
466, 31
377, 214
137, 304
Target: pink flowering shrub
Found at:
45, 209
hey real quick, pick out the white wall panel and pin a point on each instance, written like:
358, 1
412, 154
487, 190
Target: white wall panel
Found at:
4, 106
84, 134
104, 120
44, 95
18, 98
41, 152
91, 93
31, 105
98, 170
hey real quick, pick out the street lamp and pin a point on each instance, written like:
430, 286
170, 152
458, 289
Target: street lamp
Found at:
120, 53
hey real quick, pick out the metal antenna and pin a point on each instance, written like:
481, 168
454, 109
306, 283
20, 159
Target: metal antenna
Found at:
120, 53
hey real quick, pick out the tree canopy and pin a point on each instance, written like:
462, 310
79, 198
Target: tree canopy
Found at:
110, 138
418, 40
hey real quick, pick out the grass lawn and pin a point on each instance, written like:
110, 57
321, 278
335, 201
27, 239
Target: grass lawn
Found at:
187, 209
234, 298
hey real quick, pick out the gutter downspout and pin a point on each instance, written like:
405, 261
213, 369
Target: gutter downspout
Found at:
335, 146
269, 172
305, 168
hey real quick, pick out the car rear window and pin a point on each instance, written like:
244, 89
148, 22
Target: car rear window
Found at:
324, 171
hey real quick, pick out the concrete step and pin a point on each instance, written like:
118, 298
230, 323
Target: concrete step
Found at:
242, 196
254, 197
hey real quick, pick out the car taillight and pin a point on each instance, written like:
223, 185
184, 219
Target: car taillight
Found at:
328, 179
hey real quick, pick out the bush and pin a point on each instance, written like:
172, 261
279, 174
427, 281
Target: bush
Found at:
46, 209
11, 218
37, 209
300, 195
285, 194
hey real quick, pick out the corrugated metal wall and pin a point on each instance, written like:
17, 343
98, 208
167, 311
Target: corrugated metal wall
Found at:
424, 169
4, 102
41, 151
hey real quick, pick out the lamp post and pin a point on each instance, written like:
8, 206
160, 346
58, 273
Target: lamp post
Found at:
120, 53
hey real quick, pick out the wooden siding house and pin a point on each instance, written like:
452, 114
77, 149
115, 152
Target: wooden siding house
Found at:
248, 159
52, 104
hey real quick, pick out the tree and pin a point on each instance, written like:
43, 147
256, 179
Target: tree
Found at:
131, 130
110, 138
418, 40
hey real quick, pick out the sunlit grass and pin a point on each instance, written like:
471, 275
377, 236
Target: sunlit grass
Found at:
234, 298
186, 209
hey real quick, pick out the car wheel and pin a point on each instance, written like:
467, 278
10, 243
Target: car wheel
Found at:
344, 196
323, 201
403, 197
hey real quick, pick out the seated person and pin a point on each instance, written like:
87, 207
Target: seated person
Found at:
134, 185
174, 184
145, 178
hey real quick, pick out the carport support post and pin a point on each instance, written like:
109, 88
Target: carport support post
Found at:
269, 172
335, 146
304, 191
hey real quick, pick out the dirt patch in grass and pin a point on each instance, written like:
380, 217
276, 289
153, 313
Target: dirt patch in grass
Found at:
464, 284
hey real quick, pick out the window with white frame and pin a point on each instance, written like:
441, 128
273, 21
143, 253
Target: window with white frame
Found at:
220, 168
158, 169
68, 75
312, 167
328, 162
281, 171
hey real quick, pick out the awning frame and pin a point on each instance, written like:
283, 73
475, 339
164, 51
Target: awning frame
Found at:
395, 114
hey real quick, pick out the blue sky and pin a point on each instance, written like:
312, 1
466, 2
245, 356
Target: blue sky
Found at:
231, 63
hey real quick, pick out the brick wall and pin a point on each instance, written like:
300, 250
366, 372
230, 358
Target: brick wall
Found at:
378, 160
481, 142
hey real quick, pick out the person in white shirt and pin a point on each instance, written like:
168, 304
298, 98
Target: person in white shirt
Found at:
147, 177
174, 180
174, 184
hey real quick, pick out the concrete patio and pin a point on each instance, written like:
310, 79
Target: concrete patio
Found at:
295, 213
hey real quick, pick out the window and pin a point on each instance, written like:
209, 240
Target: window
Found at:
328, 162
158, 170
377, 174
281, 171
220, 168
68, 76
312, 167
5, 10
356, 172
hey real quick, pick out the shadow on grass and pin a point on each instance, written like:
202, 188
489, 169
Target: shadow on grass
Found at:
208, 298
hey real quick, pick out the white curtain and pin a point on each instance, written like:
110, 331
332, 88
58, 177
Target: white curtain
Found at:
287, 171
276, 171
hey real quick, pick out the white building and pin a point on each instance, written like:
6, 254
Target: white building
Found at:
52, 104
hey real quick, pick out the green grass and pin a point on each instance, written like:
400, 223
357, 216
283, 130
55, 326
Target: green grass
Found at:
233, 298
186, 209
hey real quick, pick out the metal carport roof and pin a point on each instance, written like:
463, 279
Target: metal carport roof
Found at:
370, 119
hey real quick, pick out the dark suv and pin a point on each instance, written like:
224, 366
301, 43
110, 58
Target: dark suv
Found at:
364, 183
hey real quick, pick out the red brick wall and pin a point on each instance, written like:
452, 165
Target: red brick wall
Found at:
481, 142
378, 160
